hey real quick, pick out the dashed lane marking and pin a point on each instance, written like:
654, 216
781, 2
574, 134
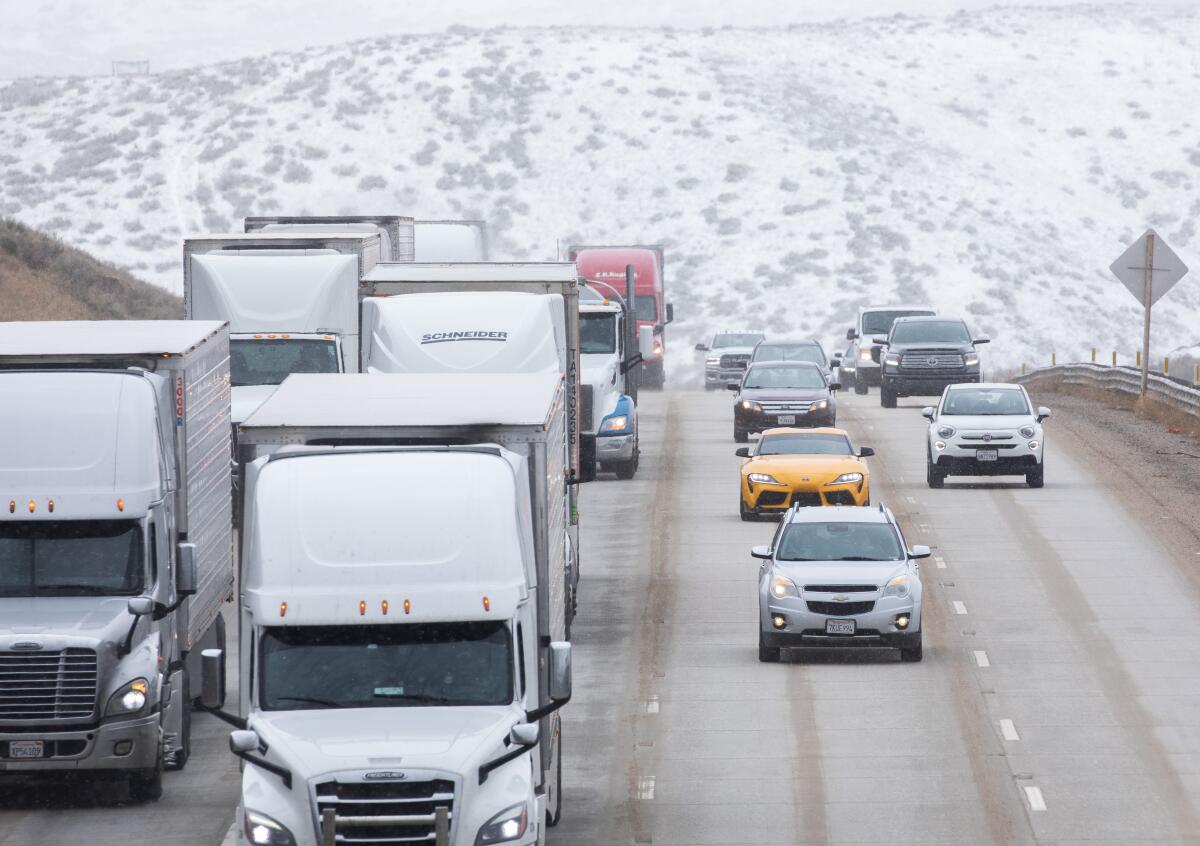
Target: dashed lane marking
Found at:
1008, 731
981, 658
1036, 801
940, 562
645, 787
652, 705
959, 607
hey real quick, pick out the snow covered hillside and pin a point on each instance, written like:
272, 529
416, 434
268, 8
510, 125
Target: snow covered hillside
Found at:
993, 163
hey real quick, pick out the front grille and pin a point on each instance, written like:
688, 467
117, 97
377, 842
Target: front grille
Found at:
839, 498
987, 436
734, 362
841, 609
806, 498
388, 812
785, 407
772, 498
47, 685
841, 588
930, 360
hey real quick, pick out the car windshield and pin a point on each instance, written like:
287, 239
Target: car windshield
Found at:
784, 377
839, 542
597, 333
985, 401
735, 340
804, 444
426, 664
880, 322
789, 352
931, 331
71, 558
646, 308
268, 361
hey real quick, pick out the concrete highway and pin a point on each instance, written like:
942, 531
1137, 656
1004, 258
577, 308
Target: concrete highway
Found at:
1058, 701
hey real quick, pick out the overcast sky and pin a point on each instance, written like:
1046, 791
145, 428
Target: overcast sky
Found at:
63, 37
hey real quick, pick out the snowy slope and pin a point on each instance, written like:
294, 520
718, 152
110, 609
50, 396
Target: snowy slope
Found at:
993, 163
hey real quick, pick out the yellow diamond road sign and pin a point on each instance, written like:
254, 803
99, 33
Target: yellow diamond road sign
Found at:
1164, 266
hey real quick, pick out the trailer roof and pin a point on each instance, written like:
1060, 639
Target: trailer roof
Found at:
474, 271
394, 400
105, 337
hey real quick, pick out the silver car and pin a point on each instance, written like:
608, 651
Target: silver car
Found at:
839, 576
727, 355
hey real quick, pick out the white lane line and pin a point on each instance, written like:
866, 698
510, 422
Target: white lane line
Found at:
959, 607
940, 562
1008, 731
911, 499
645, 787
652, 705
981, 658
924, 527
1036, 801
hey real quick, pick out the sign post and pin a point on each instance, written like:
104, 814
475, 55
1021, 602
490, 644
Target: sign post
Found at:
1137, 268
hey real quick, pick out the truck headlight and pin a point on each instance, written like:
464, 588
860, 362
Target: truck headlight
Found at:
892, 358
130, 699
616, 423
507, 825
864, 354
1027, 432
846, 479
971, 359
764, 479
897, 587
264, 831
782, 586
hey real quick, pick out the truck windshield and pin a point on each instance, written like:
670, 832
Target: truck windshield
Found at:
71, 558
789, 352
931, 332
880, 322
268, 361
736, 340
646, 308
597, 333
432, 664
839, 542
803, 376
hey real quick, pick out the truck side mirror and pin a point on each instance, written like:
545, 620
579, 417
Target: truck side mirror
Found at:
836, 361
851, 334
139, 606
982, 339
701, 347
732, 386
560, 670
646, 341
185, 569
212, 678
835, 386
243, 741
670, 312
880, 339
524, 734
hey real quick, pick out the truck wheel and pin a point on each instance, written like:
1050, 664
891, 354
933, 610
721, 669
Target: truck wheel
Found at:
860, 387
1037, 478
741, 436
146, 785
848, 381
767, 654
656, 375
625, 469
935, 477
179, 758
554, 816
887, 397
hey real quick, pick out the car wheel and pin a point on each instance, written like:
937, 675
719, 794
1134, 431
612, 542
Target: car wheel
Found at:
767, 654
747, 514
1037, 478
887, 397
740, 436
911, 655
935, 477
860, 387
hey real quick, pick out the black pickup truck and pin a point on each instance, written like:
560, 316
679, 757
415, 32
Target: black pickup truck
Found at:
922, 355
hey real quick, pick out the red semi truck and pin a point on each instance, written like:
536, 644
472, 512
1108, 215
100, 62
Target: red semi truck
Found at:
605, 266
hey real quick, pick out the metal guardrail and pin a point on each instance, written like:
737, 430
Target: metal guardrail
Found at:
1122, 380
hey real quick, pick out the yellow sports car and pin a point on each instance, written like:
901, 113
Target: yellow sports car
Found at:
805, 467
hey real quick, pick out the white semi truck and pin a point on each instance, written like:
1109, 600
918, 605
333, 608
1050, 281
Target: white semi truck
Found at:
403, 624
451, 240
115, 542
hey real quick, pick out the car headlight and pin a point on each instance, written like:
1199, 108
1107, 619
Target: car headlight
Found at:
130, 699
819, 405
892, 358
847, 479
864, 354
616, 423
264, 831
1027, 432
945, 431
751, 406
507, 825
897, 587
782, 586
764, 479
971, 359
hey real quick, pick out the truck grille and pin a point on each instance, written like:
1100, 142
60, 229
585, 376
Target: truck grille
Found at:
735, 361
48, 685
841, 609
930, 360
384, 813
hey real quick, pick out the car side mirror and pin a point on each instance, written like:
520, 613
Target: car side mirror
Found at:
212, 678
919, 551
243, 741
865, 452
1043, 413
835, 362
880, 339
560, 670
743, 452
927, 412
701, 347
670, 312
835, 386
185, 569
851, 334
524, 734
732, 386
982, 339
139, 606
763, 552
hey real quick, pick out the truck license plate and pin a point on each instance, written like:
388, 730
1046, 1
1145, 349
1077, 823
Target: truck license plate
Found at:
786, 418
839, 627
986, 454
25, 748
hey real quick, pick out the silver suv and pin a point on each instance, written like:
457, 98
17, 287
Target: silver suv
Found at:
839, 576
727, 356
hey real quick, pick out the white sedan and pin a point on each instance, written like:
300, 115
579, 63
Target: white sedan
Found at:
985, 429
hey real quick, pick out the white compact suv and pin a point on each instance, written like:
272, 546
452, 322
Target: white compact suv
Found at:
839, 576
986, 429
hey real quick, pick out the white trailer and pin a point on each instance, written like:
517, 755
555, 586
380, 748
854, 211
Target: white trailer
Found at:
396, 232
395, 513
116, 562
451, 240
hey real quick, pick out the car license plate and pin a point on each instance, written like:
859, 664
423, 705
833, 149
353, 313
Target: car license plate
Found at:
986, 454
839, 627
786, 418
25, 748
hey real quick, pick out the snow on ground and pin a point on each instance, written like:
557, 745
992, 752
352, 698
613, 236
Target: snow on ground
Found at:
992, 162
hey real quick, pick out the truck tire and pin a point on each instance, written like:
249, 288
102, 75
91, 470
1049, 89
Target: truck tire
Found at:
860, 387
146, 785
847, 379
180, 758
554, 816
887, 396
625, 469
767, 654
1037, 478
656, 376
